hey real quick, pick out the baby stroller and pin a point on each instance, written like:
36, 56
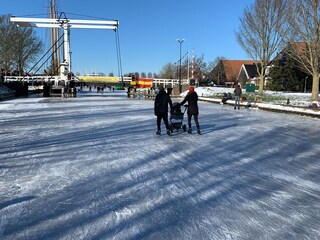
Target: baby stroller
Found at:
176, 118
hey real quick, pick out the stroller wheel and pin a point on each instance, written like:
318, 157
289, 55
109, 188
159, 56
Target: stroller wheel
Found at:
184, 127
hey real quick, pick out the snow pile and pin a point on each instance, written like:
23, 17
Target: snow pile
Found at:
212, 91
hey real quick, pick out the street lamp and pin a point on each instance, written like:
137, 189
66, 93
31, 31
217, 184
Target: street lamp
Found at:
180, 40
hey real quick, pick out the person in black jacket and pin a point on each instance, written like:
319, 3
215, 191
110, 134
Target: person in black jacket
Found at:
161, 109
193, 110
237, 95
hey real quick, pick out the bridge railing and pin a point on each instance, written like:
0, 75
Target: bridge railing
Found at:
35, 79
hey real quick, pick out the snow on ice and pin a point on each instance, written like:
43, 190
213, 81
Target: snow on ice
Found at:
92, 167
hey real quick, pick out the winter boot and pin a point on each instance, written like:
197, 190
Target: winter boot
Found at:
158, 132
168, 132
189, 130
198, 130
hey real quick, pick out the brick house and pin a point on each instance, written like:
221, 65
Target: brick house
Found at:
226, 72
248, 74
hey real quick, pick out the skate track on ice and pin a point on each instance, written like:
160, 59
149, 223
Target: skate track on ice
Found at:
92, 167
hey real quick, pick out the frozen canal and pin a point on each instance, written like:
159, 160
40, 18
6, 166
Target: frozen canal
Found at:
92, 167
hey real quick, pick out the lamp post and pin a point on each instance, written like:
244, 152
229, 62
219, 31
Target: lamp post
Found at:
180, 41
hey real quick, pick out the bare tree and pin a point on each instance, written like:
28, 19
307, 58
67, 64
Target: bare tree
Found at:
27, 47
169, 70
216, 71
19, 47
6, 48
143, 75
262, 32
304, 44
200, 68
137, 74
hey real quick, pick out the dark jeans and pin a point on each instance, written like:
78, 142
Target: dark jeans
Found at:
163, 116
195, 117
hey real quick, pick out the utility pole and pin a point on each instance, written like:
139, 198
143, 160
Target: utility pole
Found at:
180, 41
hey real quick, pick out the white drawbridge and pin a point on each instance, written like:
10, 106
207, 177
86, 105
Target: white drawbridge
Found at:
65, 24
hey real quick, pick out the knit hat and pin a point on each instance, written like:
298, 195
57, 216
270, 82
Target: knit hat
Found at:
160, 87
191, 89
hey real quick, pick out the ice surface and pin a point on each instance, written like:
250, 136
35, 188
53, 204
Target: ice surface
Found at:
92, 167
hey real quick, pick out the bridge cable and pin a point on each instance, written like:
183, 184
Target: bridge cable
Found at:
43, 58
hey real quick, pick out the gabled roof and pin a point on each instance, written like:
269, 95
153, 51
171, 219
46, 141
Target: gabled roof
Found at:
250, 70
232, 67
300, 48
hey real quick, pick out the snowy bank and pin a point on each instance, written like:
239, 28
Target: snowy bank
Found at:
297, 101
272, 107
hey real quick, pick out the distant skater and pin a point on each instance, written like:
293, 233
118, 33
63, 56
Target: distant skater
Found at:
161, 103
193, 110
237, 95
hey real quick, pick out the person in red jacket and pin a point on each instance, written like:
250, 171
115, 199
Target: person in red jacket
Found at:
193, 110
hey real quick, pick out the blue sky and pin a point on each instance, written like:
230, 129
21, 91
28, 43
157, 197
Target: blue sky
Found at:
148, 31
